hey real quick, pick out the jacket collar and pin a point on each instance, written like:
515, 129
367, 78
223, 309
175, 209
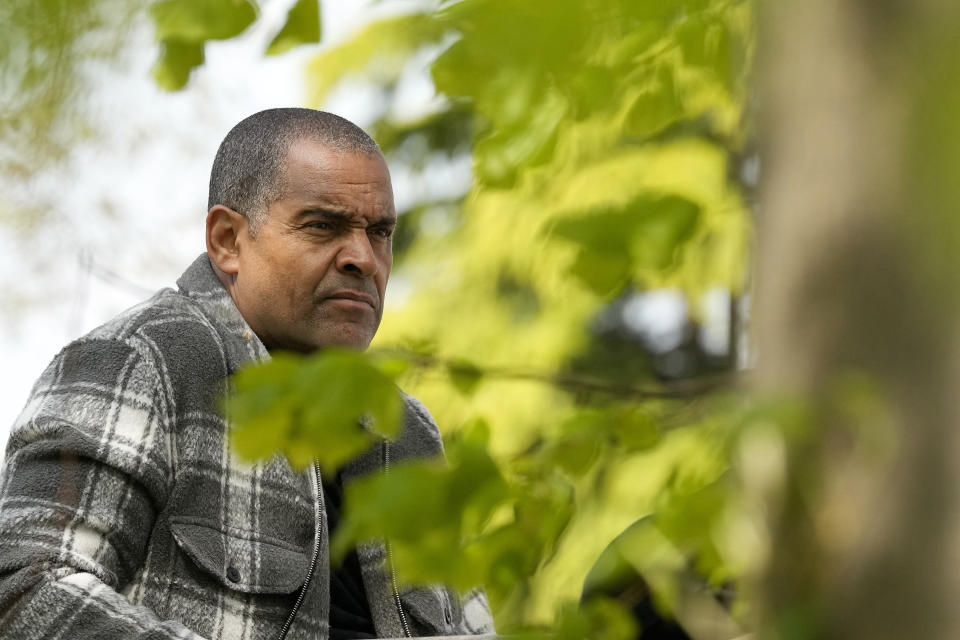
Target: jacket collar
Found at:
201, 284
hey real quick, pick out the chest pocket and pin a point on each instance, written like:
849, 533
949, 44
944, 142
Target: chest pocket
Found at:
257, 536
241, 562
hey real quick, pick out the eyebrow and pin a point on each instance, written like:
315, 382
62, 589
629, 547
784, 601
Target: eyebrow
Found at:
343, 215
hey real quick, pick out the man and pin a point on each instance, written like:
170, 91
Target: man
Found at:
123, 511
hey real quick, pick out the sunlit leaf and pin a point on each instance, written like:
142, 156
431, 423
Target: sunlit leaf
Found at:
177, 59
379, 48
656, 106
302, 27
429, 512
200, 20
329, 407
645, 234
663, 225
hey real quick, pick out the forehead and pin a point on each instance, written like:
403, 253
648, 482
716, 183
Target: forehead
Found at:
315, 173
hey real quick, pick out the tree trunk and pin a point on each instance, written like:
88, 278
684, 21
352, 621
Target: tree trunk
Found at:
857, 299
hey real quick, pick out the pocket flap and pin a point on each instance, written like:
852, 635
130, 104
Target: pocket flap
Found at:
240, 562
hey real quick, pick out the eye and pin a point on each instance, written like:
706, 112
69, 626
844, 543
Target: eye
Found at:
321, 226
382, 232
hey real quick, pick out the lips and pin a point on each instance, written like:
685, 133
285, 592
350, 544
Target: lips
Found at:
357, 296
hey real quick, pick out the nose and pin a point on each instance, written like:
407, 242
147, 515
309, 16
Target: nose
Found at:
356, 256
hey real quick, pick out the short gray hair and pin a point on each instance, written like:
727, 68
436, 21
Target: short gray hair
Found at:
248, 170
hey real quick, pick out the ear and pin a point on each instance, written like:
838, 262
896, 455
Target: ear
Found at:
226, 230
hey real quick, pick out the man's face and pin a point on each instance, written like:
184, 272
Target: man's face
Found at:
315, 273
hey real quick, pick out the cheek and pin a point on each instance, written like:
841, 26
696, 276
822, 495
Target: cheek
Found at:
386, 261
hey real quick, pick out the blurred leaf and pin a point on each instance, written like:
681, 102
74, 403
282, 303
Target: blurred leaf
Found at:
583, 437
183, 26
576, 453
392, 366
634, 428
598, 619
200, 20
430, 513
329, 407
177, 60
522, 139
663, 225
446, 130
536, 33
691, 520
302, 27
645, 234
380, 48
656, 107
465, 376
603, 260
655, 558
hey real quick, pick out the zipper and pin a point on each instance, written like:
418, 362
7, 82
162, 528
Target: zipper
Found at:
393, 573
318, 521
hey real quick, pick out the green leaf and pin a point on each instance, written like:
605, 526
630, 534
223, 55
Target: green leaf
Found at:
177, 59
662, 226
303, 26
429, 513
199, 20
605, 273
576, 453
645, 234
603, 261
691, 520
465, 376
654, 557
330, 408
524, 129
599, 619
656, 107
381, 49
634, 428
262, 406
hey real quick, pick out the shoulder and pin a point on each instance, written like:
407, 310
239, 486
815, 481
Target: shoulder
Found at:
420, 436
167, 313
418, 412
170, 329
165, 344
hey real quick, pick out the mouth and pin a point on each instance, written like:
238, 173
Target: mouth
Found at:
352, 296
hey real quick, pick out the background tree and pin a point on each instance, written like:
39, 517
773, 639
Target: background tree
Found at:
857, 320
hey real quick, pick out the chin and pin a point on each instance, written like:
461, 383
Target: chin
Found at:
345, 341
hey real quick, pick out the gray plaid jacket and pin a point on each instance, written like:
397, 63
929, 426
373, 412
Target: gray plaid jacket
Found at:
124, 513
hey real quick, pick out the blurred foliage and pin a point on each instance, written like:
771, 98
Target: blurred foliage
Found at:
183, 28
43, 46
281, 408
603, 138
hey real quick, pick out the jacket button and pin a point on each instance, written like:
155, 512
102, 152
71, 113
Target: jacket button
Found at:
232, 574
